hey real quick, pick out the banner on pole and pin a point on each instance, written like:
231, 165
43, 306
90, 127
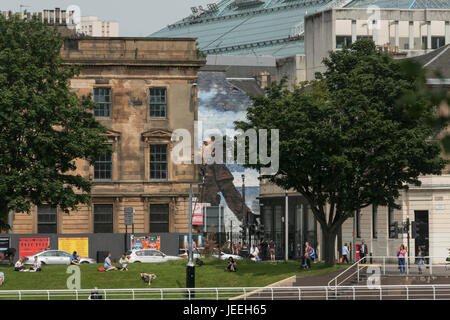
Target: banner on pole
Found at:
197, 214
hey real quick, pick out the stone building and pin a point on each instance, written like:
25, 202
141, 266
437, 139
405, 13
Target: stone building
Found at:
145, 89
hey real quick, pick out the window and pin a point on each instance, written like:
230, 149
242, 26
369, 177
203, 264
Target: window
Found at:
343, 41
158, 161
47, 219
158, 102
374, 221
102, 96
436, 42
103, 167
358, 223
390, 221
103, 218
159, 218
71, 44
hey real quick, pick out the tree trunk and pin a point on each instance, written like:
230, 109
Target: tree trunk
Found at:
330, 243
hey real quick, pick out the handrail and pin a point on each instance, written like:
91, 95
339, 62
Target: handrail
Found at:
411, 292
336, 280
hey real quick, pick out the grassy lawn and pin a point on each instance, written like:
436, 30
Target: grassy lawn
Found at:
169, 275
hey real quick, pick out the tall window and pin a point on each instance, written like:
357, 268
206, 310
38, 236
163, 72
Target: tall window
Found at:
158, 161
374, 221
102, 96
390, 221
158, 102
159, 218
103, 218
358, 223
47, 219
103, 167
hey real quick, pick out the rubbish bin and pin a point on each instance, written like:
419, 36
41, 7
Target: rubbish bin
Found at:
101, 256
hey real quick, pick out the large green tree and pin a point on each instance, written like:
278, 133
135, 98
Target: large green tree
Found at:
44, 127
351, 138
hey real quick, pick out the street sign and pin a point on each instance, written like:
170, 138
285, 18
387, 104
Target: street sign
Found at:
129, 216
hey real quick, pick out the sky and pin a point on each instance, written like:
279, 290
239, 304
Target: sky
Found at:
137, 18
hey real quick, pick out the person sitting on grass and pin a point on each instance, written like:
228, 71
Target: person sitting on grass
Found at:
2, 278
108, 266
123, 262
94, 295
36, 265
147, 277
75, 258
19, 265
231, 266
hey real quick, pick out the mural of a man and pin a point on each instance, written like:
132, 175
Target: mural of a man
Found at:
219, 179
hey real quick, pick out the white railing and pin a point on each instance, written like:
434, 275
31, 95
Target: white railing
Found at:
389, 265
399, 292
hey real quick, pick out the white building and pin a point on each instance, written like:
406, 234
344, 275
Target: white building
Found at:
93, 27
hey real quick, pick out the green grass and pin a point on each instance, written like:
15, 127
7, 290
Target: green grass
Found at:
169, 275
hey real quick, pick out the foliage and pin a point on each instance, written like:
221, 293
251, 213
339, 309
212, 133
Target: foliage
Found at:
353, 137
44, 126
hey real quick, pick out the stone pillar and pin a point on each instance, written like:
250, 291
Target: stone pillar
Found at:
447, 32
428, 35
411, 35
354, 35
397, 38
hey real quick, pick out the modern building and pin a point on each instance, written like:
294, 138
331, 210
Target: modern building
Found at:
145, 89
403, 32
92, 26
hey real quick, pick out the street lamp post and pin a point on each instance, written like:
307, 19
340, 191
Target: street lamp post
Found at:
286, 227
190, 268
244, 212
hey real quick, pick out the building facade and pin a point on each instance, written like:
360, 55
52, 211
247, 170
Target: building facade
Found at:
92, 26
145, 89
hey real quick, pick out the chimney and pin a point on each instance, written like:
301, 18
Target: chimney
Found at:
71, 17
45, 16
63, 17
263, 79
52, 16
57, 11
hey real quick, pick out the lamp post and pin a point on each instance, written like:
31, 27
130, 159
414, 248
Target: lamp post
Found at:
286, 227
244, 212
190, 267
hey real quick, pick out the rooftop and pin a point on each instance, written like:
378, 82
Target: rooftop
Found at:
266, 27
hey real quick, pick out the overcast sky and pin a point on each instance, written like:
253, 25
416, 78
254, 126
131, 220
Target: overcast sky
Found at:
137, 18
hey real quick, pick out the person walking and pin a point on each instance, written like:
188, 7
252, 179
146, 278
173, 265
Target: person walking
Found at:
307, 256
345, 253
363, 250
401, 254
272, 247
420, 259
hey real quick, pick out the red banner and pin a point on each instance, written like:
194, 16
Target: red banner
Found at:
197, 215
30, 246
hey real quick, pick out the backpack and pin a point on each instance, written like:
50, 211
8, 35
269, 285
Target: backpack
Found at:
101, 269
312, 253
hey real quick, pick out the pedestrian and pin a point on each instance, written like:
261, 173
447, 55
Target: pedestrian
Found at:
307, 257
363, 252
420, 259
108, 265
345, 253
401, 253
94, 295
123, 263
234, 248
264, 249
36, 265
272, 247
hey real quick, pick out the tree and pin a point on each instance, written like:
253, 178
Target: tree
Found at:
349, 139
44, 127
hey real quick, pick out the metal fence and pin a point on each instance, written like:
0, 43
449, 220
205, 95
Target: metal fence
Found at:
389, 265
406, 292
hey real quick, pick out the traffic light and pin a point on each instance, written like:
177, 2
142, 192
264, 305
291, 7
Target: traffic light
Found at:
393, 230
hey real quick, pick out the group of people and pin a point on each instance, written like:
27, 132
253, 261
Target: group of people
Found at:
363, 252
261, 252
308, 256
123, 263
20, 266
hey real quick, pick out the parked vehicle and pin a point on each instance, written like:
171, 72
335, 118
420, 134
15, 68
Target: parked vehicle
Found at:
148, 255
54, 257
226, 256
